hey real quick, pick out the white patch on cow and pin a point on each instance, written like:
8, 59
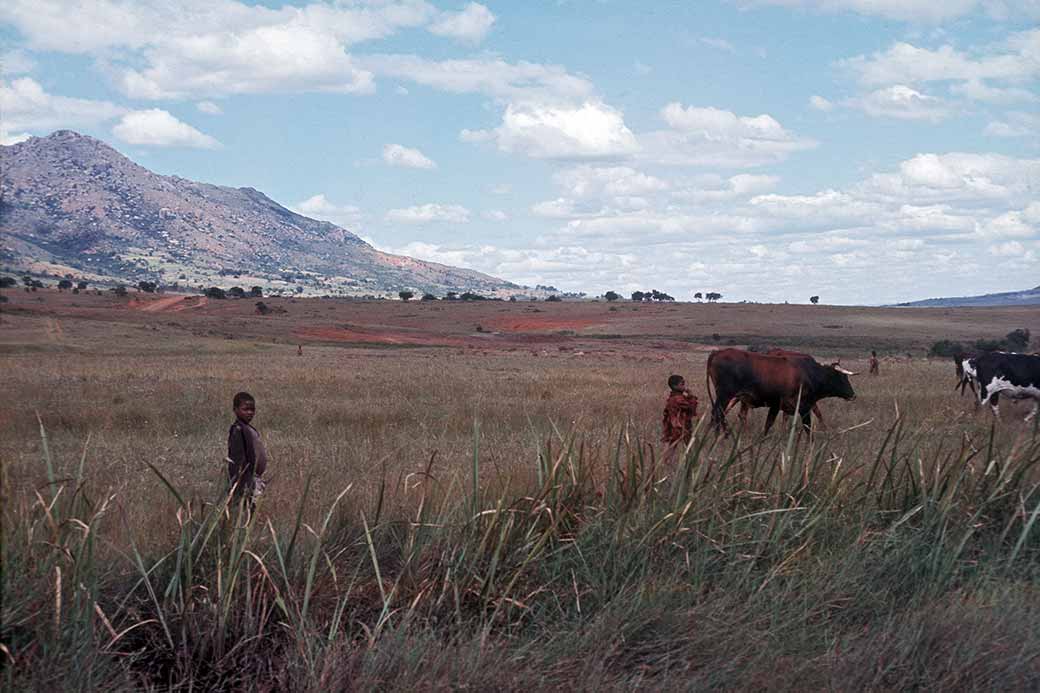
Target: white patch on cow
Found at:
1010, 390
969, 368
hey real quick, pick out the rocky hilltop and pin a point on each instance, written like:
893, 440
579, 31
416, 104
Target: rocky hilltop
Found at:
71, 204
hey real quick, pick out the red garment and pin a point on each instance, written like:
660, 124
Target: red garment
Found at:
679, 411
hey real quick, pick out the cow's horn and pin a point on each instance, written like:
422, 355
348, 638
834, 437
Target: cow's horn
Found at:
842, 370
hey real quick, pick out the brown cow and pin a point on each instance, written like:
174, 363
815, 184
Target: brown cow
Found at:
778, 382
745, 402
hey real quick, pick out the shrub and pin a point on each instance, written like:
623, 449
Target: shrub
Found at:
256, 292
554, 299
990, 345
262, 308
611, 296
946, 349
1017, 340
7, 282
236, 292
405, 295
215, 292
428, 297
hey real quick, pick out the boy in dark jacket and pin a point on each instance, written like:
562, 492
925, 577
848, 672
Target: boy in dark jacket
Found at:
247, 456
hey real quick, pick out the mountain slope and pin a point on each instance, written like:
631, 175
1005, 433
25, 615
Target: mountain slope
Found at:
1028, 297
71, 203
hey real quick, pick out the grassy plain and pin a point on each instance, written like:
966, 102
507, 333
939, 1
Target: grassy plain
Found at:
459, 507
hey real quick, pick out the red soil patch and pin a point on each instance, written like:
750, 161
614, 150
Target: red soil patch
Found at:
335, 334
171, 303
526, 323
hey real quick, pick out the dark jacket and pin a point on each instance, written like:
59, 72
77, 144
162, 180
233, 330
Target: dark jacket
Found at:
241, 455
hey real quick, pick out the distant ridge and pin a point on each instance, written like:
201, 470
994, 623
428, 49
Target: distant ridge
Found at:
1029, 297
71, 204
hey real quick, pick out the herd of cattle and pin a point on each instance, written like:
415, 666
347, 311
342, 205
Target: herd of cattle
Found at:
793, 382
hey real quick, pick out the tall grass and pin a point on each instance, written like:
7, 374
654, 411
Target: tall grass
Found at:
787, 561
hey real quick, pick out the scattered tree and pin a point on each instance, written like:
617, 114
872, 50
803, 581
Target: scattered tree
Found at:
236, 292
7, 282
262, 308
611, 296
215, 292
119, 290
64, 284
554, 298
406, 295
698, 295
946, 348
146, 286
1017, 340
712, 296
82, 286
256, 292
451, 296
814, 300
637, 295
428, 297
470, 296
37, 284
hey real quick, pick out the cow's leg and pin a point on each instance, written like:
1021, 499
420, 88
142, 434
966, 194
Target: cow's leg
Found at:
994, 402
1036, 407
742, 414
771, 417
819, 415
718, 411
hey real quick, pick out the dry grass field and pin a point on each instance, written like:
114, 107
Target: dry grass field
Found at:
470, 495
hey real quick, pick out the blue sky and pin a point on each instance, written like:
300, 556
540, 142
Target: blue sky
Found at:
864, 150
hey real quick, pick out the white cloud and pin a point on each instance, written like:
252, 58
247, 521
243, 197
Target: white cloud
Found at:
405, 157
820, 103
511, 82
718, 44
706, 136
903, 102
157, 128
200, 48
957, 177
429, 213
609, 181
924, 11
16, 62
495, 215
471, 24
319, 207
1016, 124
27, 106
209, 108
590, 131
8, 139
1013, 60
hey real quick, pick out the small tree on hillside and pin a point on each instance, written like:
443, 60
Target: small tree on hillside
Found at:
406, 295
611, 296
814, 300
429, 297
146, 286
82, 286
236, 292
7, 282
64, 284
637, 295
256, 292
698, 295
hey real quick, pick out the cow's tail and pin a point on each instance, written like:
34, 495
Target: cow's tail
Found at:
707, 381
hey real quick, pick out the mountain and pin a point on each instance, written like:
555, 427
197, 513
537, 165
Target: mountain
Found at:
71, 204
1029, 297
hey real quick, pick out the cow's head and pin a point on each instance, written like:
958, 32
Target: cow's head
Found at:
836, 381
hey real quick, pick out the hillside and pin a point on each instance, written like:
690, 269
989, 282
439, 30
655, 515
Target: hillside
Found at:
71, 204
1028, 297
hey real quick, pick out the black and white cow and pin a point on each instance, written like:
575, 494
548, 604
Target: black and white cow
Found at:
1016, 376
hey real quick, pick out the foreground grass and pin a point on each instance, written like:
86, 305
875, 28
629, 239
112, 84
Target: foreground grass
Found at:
503, 522
750, 564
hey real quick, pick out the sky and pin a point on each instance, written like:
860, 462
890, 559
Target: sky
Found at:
865, 151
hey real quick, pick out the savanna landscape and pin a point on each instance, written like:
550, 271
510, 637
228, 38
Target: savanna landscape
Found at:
471, 495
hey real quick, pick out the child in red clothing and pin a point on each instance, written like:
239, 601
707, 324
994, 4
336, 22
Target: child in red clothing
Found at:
679, 412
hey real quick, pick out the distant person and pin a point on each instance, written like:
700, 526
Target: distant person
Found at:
677, 423
874, 366
247, 456
299, 350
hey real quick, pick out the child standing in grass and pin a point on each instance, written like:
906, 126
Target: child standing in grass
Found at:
247, 457
679, 412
